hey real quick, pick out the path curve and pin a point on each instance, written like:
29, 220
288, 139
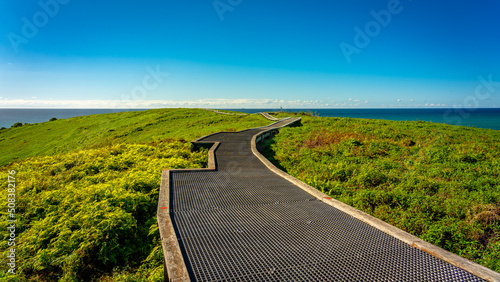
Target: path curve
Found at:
240, 220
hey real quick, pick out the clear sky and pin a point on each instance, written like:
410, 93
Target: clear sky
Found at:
249, 54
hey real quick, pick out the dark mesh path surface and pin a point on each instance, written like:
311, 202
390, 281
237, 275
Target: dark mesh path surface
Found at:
243, 222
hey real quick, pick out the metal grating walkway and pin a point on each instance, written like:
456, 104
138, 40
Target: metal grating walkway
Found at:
243, 222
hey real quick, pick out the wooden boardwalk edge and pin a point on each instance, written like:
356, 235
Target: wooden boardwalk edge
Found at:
174, 265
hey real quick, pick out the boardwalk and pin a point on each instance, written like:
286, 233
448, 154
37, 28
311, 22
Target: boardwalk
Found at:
244, 222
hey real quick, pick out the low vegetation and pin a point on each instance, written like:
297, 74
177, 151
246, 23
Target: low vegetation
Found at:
87, 191
438, 182
95, 131
87, 187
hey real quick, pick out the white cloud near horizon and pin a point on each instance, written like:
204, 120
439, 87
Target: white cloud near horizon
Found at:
139, 104
201, 103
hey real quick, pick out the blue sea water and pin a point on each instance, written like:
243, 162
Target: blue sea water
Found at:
10, 116
482, 118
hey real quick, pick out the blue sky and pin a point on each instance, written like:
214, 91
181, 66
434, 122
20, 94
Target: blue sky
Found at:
244, 54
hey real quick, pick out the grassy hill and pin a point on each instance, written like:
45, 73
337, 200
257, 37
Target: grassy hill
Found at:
87, 190
95, 131
436, 181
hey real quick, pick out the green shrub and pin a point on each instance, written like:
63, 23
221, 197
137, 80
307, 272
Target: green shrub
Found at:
76, 228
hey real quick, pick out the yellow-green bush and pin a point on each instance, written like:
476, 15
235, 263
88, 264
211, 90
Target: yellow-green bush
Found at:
91, 212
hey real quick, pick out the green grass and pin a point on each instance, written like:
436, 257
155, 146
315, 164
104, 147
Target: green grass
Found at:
87, 191
232, 112
94, 131
438, 182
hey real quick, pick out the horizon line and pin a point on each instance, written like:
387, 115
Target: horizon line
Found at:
246, 108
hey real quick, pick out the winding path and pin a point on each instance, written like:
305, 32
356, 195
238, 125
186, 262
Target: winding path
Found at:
239, 220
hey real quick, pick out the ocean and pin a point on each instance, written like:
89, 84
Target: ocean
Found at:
482, 118
10, 116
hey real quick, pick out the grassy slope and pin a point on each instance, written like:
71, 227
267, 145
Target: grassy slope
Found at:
67, 135
87, 190
438, 182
